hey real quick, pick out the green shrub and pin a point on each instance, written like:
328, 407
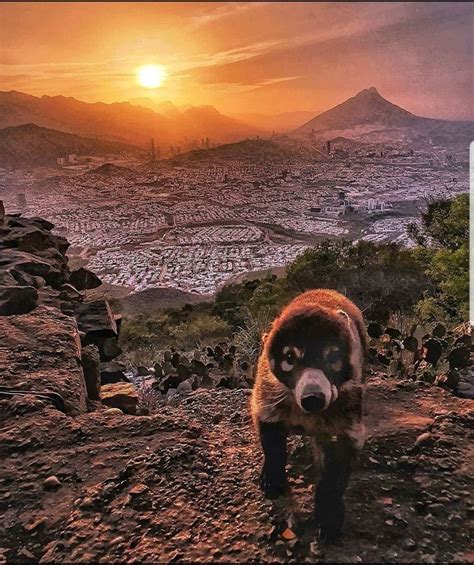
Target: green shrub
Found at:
204, 327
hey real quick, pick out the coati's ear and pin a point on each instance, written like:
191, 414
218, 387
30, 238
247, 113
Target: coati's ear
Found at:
344, 314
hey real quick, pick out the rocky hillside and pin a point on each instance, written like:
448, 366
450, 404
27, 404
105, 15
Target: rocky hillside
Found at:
31, 145
81, 481
280, 150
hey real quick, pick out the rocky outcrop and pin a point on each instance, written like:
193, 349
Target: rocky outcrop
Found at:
41, 352
53, 337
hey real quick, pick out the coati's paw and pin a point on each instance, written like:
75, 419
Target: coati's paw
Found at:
273, 486
329, 518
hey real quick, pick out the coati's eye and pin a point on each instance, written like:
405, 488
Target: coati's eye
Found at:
289, 359
332, 355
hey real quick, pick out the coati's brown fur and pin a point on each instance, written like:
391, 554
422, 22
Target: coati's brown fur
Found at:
317, 344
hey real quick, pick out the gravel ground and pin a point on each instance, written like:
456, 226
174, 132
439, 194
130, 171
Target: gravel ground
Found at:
181, 486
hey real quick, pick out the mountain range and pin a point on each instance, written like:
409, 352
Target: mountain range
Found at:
366, 117
121, 121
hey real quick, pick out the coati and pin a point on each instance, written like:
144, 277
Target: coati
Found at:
309, 378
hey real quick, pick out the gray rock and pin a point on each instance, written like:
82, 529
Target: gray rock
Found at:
185, 387
112, 372
422, 439
52, 483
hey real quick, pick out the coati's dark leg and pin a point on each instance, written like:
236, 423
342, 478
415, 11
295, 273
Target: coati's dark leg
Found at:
329, 504
273, 479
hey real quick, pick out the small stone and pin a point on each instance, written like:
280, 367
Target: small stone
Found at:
436, 508
26, 553
36, 524
138, 489
288, 534
409, 544
87, 502
112, 412
52, 483
422, 439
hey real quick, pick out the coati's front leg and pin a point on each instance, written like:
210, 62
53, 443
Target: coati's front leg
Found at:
273, 479
338, 458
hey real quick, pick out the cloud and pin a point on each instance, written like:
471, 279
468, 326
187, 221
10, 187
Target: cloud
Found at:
221, 11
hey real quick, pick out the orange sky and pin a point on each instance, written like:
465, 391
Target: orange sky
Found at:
244, 57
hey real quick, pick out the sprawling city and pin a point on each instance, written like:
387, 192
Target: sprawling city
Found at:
196, 227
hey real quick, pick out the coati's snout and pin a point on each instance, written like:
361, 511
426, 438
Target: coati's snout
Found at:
313, 391
310, 354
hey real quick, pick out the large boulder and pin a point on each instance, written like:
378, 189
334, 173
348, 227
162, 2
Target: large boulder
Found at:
17, 300
91, 367
83, 279
23, 266
41, 352
112, 372
96, 318
97, 322
120, 395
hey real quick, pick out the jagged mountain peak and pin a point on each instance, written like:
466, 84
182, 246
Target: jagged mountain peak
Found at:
366, 107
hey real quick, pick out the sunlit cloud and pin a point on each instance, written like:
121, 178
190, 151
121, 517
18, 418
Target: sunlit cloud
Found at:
222, 11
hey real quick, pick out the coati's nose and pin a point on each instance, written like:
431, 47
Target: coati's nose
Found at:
313, 402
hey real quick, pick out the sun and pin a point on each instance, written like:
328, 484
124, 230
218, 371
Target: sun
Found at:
152, 76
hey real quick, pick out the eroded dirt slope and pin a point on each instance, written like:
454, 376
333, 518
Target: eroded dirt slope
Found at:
182, 485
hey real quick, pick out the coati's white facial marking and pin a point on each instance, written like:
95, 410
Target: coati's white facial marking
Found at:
298, 352
314, 382
334, 349
290, 355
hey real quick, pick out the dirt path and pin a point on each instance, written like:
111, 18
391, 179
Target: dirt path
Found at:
182, 486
